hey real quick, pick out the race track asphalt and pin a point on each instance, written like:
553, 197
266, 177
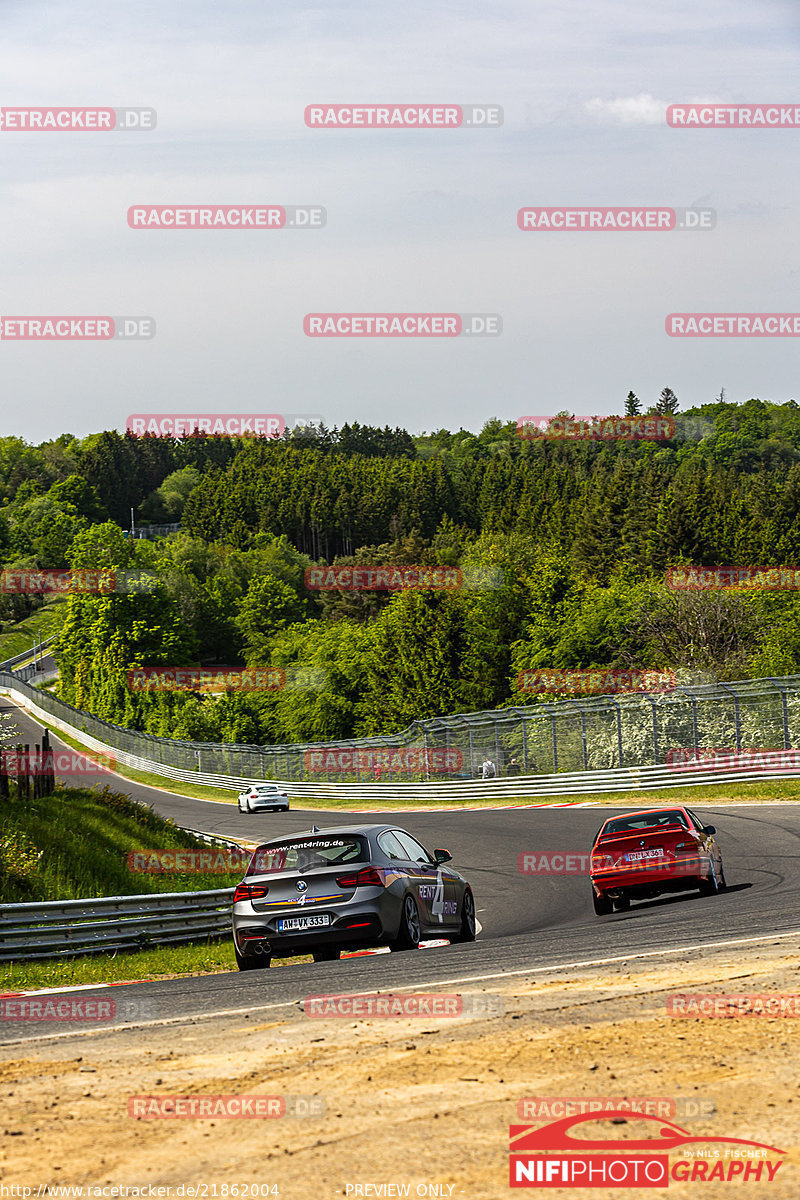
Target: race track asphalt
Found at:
529, 922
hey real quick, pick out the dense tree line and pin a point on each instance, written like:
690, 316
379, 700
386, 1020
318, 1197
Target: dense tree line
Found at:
575, 535
724, 489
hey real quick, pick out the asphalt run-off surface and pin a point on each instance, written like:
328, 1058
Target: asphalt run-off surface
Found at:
530, 923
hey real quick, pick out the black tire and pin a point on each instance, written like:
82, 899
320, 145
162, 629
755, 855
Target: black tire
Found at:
410, 931
252, 962
602, 906
327, 954
622, 903
710, 886
468, 924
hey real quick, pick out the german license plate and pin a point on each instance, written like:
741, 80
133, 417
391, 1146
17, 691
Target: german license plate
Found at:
640, 855
317, 922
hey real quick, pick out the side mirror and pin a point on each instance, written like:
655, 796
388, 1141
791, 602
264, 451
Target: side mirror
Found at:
709, 829
442, 856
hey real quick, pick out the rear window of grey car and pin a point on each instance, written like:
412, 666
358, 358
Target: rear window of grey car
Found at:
307, 853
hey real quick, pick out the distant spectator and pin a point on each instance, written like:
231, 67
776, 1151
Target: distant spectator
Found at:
488, 769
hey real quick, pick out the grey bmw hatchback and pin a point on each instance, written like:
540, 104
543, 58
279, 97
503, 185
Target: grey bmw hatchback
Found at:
347, 888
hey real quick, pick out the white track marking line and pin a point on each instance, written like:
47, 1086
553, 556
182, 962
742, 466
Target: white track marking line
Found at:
533, 969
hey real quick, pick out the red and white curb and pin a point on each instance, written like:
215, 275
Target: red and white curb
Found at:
386, 950
77, 987
481, 808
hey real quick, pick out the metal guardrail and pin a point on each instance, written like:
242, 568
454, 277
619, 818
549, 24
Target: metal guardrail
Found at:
63, 927
514, 787
542, 739
10, 663
153, 531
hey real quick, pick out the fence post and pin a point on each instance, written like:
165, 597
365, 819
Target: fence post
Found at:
3, 776
784, 712
48, 766
736, 717
619, 731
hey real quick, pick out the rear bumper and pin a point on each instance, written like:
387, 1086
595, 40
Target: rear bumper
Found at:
684, 873
354, 931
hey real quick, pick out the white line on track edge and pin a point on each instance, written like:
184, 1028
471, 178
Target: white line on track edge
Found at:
569, 966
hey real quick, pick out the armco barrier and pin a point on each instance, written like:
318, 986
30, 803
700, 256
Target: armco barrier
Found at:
603, 743
65, 927
520, 787
9, 664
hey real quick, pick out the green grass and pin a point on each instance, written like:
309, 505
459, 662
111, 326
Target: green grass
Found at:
159, 962
19, 637
75, 845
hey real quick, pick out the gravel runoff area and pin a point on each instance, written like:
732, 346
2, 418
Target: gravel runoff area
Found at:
418, 1106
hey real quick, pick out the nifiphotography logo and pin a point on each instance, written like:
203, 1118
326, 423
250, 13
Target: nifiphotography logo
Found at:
553, 1156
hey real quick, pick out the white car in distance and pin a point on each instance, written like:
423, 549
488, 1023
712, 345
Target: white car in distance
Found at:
263, 796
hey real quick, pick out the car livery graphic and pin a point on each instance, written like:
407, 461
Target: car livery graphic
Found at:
553, 1156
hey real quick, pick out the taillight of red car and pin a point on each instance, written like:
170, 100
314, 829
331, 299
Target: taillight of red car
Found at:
366, 877
250, 891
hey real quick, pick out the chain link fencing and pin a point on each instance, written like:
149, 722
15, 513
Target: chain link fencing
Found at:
598, 733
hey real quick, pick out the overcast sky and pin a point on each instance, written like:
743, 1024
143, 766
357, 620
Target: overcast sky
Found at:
421, 221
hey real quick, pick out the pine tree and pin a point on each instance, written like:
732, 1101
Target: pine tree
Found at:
667, 402
633, 405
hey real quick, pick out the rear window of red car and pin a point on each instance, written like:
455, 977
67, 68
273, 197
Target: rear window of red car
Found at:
638, 821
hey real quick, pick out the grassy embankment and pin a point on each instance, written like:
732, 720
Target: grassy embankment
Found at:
75, 844
19, 637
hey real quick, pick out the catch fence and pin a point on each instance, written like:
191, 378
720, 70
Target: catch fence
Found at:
585, 734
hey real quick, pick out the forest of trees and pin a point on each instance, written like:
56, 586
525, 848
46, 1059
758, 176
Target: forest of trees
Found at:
576, 536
